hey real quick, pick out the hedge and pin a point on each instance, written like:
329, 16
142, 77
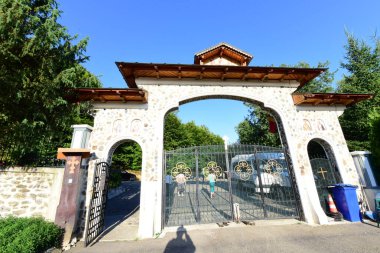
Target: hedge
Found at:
28, 235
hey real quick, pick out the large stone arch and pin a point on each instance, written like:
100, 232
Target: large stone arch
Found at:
271, 108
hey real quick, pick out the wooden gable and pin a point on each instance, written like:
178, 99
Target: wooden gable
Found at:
222, 54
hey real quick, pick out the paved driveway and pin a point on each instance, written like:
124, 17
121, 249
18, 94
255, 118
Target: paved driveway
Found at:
294, 238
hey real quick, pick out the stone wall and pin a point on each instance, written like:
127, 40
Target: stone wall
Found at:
26, 192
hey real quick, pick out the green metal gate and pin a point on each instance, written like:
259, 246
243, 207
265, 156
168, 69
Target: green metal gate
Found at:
255, 178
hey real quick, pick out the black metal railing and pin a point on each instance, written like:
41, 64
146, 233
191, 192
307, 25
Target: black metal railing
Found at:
95, 217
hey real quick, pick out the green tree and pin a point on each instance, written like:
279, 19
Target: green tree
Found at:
178, 134
173, 134
128, 156
362, 62
39, 63
255, 128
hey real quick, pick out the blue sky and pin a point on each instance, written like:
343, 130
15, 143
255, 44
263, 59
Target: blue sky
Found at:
275, 32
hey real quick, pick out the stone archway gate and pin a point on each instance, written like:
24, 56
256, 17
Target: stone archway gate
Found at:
138, 112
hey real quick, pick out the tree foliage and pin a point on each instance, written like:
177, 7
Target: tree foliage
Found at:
362, 62
39, 62
128, 156
255, 128
178, 134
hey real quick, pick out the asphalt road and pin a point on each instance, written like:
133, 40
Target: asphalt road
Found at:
294, 238
119, 207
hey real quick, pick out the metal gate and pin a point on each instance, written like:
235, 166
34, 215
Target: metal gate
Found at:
325, 174
95, 216
255, 178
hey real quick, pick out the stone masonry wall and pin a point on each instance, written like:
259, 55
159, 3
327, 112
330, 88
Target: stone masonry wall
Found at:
30, 192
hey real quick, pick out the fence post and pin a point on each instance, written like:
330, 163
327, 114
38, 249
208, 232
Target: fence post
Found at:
197, 184
260, 183
225, 138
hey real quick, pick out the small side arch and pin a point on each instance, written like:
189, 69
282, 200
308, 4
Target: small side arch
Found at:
324, 168
114, 143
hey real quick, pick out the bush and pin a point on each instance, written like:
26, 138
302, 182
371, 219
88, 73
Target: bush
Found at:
29, 235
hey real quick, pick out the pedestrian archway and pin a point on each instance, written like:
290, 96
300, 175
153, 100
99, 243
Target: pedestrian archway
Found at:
115, 203
325, 170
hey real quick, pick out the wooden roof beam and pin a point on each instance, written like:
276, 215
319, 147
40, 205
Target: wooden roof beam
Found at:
221, 51
244, 77
201, 73
283, 77
298, 99
157, 72
266, 76
102, 99
224, 74
303, 78
121, 96
179, 72
349, 102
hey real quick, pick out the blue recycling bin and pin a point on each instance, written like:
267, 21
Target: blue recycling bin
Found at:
346, 201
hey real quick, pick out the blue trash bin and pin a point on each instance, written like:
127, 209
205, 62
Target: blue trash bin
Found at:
346, 201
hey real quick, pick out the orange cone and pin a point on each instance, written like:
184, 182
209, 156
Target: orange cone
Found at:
332, 206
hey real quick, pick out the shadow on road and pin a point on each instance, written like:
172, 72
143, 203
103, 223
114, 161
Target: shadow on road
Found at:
120, 208
182, 243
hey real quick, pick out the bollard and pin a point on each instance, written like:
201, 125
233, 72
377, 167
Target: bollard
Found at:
237, 212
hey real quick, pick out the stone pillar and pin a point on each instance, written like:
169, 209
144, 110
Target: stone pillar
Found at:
67, 209
81, 136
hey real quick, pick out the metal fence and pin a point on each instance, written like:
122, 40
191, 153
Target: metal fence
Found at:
256, 178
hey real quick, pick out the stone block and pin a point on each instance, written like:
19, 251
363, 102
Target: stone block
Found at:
20, 196
19, 212
13, 203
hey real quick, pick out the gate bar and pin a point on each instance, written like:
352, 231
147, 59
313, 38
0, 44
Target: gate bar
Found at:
260, 183
229, 179
197, 185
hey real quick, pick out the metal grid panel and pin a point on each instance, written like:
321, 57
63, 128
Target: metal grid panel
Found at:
98, 203
264, 193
